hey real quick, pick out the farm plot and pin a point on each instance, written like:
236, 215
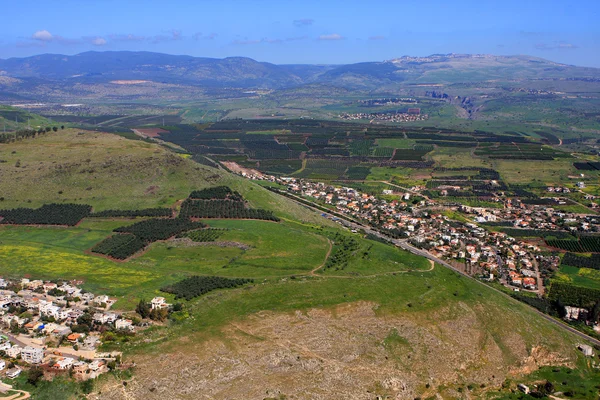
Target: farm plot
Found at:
584, 244
411, 154
328, 168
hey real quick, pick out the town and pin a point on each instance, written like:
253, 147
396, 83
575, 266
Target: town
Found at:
413, 114
60, 327
468, 246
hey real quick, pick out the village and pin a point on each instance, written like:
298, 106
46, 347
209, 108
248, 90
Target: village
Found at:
470, 247
413, 114
60, 327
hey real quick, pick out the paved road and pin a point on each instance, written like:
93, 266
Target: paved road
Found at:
406, 246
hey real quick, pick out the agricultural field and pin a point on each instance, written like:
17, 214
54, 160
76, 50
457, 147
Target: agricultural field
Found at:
585, 277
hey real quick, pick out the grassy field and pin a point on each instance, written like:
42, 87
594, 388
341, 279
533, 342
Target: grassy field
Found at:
585, 277
108, 171
59, 253
373, 258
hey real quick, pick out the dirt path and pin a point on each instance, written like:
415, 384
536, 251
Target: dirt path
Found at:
313, 272
21, 395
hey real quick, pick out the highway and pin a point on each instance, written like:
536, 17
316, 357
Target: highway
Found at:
402, 243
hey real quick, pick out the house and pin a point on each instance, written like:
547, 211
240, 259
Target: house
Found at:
2, 364
14, 351
64, 363
49, 286
80, 368
32, 355
91, 342
74, 337
5, 346
96, 365
101, 299
158, 303
104, 318
13, 373
122, 324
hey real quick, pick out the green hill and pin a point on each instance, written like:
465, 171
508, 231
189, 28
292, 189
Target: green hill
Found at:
391, 325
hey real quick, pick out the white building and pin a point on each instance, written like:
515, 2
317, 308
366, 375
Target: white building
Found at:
32, 355
123, 324
158, 303
14, 351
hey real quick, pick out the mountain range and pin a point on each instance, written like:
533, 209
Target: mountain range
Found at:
241, 72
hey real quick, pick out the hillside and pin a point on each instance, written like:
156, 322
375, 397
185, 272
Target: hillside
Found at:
404, 328
108, 171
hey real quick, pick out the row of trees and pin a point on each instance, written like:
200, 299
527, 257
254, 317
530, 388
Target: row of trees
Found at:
136, 237
48, 214
26, 133
152, 230
575, 260
216, 193
119, 246
195, 286
585, 244
223, 209
146, 212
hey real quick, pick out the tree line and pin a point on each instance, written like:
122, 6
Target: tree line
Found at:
195, 286
48, 214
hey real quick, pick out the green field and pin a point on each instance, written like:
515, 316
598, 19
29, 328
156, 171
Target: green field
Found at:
585, 277
374, 258
58, 253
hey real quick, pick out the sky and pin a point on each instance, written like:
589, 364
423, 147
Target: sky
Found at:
305, 31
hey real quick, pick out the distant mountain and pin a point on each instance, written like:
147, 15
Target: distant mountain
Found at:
244, 73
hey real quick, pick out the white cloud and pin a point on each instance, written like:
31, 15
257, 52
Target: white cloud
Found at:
98, 41
43, 36
333, 36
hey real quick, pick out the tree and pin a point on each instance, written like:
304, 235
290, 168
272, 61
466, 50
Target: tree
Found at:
62, 127
34, 375
159, 314
14, 327
143, 309
54, 128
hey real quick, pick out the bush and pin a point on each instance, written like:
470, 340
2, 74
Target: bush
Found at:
195, 286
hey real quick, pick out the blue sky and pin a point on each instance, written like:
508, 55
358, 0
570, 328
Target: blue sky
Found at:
307, 31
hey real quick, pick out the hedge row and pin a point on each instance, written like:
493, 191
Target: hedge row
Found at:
48, 214
216, 193
223, 209
146, 212
195, 286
